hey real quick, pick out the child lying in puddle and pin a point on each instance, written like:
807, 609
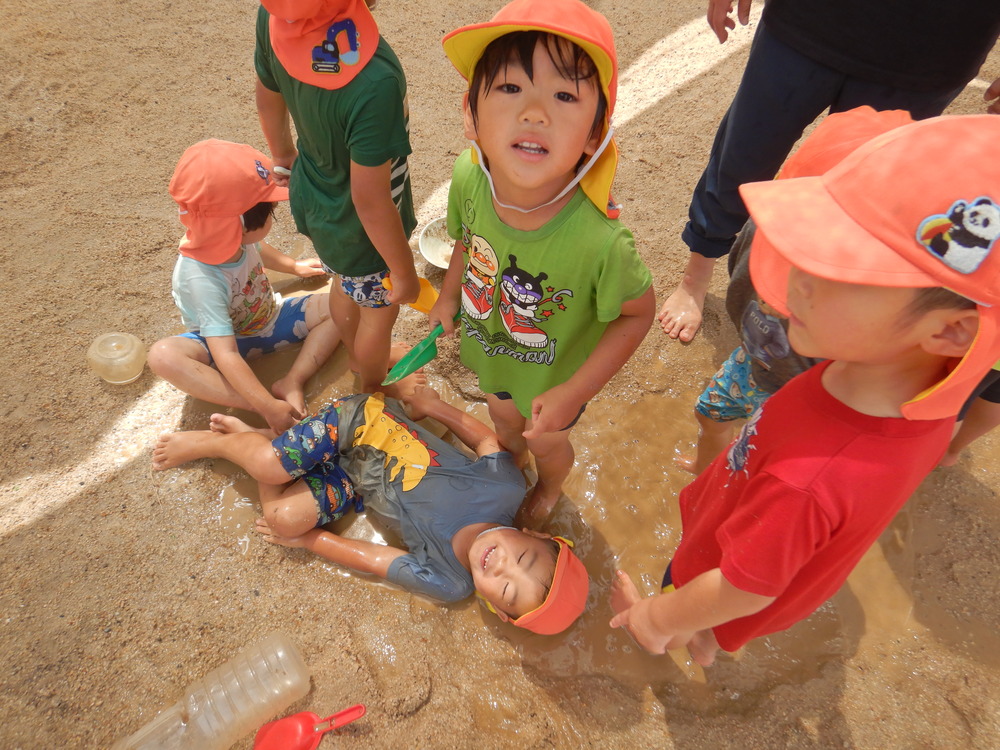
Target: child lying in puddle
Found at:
452, 512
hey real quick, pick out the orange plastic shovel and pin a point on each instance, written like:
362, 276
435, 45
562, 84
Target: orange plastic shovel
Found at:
303, 731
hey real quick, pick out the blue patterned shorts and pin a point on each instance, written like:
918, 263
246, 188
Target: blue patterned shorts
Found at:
366, 291
310, 451
289, 328
732, 393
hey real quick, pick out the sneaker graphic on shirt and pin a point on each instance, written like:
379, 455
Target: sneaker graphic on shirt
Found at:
480, 279
520, 296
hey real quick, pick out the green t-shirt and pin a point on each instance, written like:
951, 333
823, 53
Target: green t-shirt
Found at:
367, 122
535, 304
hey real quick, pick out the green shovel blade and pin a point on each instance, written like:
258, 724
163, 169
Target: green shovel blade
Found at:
418, 356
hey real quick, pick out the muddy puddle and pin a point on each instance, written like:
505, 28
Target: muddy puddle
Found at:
620, 506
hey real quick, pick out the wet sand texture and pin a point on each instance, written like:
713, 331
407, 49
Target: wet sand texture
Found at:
123, 586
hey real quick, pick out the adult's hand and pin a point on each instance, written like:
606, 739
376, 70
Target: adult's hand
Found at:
719, 19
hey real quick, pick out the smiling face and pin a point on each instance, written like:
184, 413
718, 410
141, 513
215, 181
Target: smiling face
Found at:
534, 128
512, 570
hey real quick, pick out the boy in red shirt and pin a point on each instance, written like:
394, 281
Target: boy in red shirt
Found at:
867, 262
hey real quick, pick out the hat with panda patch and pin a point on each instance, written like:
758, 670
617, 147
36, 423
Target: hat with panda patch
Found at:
918, 206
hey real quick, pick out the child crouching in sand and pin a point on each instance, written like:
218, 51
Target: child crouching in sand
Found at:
887, 266
452, 512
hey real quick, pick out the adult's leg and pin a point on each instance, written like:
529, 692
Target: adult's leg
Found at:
920, 104
781, 92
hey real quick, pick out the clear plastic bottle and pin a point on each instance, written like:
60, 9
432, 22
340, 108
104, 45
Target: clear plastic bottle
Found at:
229, 702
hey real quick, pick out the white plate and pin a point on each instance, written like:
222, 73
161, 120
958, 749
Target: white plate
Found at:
435, 244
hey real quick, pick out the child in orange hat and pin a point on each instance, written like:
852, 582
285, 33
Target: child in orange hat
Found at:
888, 267
226, 194
553, 297
324, 64
764, 360
452, 513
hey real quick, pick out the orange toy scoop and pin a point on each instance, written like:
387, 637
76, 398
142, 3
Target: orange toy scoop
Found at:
302, 731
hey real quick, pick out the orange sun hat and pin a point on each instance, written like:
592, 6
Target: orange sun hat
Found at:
567, 597
918, 206
325, 43
214, 184
572, 20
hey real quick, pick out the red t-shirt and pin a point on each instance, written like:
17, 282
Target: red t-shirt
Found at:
800, 495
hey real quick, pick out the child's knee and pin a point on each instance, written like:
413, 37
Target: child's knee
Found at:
290, 519
167, 356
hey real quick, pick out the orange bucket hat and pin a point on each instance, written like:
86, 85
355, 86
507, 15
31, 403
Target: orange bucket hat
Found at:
325, 43
567, 597
583, 26
214, 184
918, 206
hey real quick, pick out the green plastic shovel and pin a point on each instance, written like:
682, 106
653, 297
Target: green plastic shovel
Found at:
417, 357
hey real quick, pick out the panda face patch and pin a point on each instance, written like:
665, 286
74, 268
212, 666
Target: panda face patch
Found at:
963, 237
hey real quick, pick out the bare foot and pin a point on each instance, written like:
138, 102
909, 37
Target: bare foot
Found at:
703, 647
949, 459
537, 506
686, 462
397, 351
176, 448
226, 424
405, 387
681, 313
291, 391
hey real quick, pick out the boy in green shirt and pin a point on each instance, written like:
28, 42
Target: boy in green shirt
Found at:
553, 296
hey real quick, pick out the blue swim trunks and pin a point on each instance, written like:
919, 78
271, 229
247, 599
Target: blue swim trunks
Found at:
289, 328
366, 291
310, 451
732, 393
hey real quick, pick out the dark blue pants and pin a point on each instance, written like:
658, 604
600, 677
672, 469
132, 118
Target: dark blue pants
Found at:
781, 93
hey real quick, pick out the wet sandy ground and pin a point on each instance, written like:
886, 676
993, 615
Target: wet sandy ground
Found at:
122, 585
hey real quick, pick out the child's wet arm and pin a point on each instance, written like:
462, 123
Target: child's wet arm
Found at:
276, 125
359, 555
449, 299
275, 260
465, 427
237, 372
620, 340
706, 601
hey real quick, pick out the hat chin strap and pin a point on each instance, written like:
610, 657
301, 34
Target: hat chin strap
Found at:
562, 193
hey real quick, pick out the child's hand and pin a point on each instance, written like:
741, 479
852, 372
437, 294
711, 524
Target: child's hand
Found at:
280, 415
443, 312
417, 401
552, 410
282, 170
285, 541
308, 267
405, 287
637, 620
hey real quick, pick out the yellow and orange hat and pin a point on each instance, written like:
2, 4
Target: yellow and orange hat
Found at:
917, 206
214, 184
572, 20
325, 43
567, 597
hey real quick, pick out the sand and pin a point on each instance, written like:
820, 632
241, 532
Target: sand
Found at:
123, 585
